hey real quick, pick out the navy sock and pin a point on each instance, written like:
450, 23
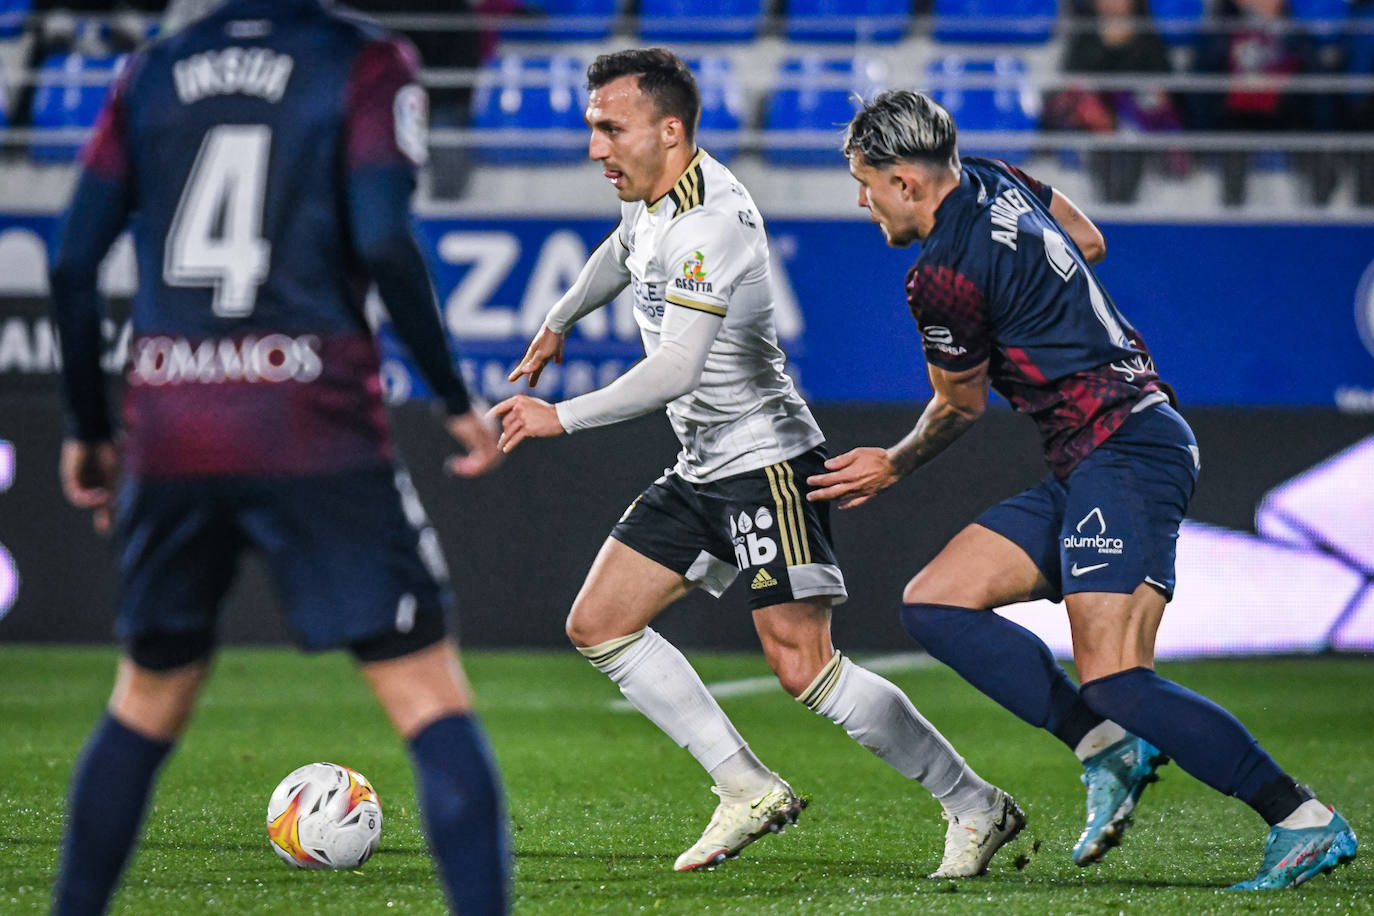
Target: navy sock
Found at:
464, 814
1005, 661
110, 786
1205, 740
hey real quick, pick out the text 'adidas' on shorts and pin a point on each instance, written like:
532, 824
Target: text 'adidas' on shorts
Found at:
758, 523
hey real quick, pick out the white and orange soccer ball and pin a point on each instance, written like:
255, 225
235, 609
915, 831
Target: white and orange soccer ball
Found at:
324, 815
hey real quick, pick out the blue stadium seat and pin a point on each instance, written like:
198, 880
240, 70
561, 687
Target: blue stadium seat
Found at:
12, 16
531, 93
1323, 19
563, 20
1179, 21
722, 103
685, 21
1011, 104
986, 21
847, 20
65, 98
818, 93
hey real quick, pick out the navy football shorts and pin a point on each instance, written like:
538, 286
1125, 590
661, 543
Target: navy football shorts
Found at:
758, 523
1114, 522
352, 555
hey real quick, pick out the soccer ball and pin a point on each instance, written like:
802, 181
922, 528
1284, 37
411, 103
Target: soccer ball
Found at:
324, 816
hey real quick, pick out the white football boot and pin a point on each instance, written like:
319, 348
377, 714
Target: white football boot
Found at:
971, 839
736, 824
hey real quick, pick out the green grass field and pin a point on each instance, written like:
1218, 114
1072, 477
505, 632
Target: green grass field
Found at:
601, 802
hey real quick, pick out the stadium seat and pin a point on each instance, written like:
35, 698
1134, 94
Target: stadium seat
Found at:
846, 20
818, 93
66, 98
531, 93
12, 16
994, 21
1323, 19
1011, 104
563, 20
685, 21
722, 103
1179, 21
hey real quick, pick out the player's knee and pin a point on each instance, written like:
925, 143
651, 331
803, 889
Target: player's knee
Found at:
795, 670
157, 703
582, 629
923, 588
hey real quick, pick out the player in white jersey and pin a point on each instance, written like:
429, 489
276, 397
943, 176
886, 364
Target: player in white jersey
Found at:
692, 244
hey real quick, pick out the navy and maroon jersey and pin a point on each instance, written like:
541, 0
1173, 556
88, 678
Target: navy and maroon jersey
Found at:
264, 159
999, 280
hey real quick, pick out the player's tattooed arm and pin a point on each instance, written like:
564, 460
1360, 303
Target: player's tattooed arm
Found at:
855, 477
960, 399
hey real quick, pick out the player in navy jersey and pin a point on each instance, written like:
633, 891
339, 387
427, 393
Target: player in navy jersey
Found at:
264, 159
1005, 297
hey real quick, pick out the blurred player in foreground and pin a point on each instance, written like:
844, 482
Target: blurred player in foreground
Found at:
1004, 296
693, 244
264, 158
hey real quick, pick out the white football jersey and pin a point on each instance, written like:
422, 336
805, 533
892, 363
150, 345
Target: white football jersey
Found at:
702, 246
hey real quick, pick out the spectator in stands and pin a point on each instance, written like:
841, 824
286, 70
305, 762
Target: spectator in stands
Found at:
1120, 40
1262, 40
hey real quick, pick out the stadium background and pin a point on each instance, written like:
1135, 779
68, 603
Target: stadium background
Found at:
1261, 312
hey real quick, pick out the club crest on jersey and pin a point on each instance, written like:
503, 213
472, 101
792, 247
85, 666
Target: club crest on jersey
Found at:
693, 277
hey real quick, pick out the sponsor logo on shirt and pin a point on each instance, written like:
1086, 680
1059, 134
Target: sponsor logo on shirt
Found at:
274, 358
937, 337
693, 277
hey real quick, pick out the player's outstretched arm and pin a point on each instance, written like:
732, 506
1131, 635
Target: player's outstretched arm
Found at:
855, 477
600, 280
523, 417
546, 347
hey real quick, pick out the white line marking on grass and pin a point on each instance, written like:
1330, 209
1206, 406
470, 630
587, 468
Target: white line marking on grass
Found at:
879, 664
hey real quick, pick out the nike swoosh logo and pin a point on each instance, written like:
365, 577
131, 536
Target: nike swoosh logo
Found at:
1076, 570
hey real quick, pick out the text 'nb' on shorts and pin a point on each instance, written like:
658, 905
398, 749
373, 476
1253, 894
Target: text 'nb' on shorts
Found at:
758, 523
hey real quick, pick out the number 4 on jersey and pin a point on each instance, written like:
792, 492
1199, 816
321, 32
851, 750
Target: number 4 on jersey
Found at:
216, 236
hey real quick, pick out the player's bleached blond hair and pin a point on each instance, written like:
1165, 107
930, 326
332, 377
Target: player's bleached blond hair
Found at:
902, 126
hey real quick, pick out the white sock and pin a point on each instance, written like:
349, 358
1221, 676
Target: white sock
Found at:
1100, 737
880, 717
1310, 813
659, 681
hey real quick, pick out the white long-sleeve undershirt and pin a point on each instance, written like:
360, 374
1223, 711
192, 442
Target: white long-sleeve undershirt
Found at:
600, 280
671, 371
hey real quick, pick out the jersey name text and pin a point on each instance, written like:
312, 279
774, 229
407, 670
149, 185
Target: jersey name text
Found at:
1006, 211
253, 71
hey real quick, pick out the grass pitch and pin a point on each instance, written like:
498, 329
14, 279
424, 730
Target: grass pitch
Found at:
602, 803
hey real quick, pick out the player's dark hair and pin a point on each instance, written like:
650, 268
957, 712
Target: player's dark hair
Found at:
903, 126
663, 77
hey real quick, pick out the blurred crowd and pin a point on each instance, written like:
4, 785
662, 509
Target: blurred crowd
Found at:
1258, 54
